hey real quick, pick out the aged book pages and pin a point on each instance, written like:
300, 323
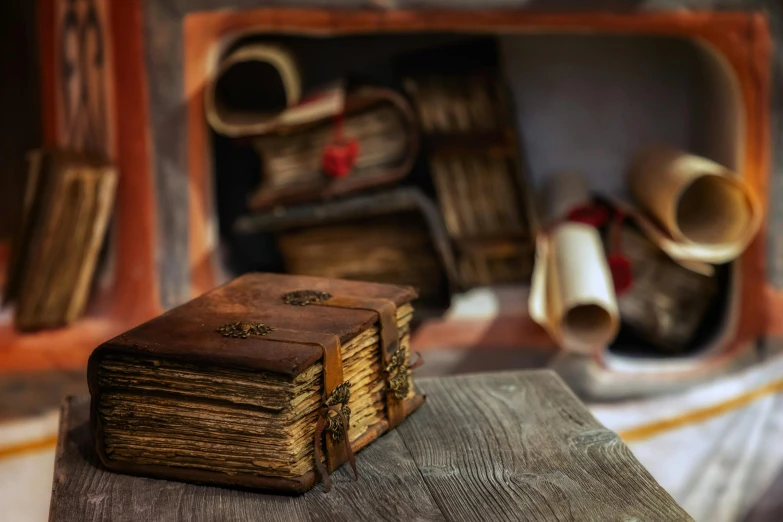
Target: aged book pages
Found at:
371, 141
297, 158
477, 196
157, 411
394, 250
495, 262
475, 168
68, 204
15, 267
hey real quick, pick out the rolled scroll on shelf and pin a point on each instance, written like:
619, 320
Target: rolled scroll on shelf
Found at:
572, 295
701, 211
258, 87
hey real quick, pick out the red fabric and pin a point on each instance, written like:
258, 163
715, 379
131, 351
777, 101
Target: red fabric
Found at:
589, 215
619, 265
622, 277
339, 159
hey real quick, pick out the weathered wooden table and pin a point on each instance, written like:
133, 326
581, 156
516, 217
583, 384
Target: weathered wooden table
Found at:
501, 446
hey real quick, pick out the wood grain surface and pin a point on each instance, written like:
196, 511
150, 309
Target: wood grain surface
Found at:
520, 446
503, 446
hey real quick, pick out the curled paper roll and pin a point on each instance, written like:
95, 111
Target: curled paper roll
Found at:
702, 211
253, 85
572, 295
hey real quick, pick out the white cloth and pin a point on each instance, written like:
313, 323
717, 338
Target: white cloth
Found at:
27, 467
725, 447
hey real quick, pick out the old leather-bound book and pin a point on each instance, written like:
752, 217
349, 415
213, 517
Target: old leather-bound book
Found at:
68, 202
476, 170
255, 383
372, 142
391, 249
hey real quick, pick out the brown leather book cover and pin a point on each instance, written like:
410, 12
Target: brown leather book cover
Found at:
255, 383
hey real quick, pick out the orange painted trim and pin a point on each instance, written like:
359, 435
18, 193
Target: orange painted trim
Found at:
773, 299
136, 294
742, 39
32, 446
200, 212
750, 54
699, 415
330, 22
62, 349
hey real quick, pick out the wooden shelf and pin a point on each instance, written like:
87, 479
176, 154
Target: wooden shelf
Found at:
62, 349
110, 312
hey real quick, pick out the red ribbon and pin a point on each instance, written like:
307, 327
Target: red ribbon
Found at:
619, 265
339, 156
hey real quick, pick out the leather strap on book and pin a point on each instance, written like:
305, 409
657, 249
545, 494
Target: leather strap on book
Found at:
390, 340
390, 343
335, 399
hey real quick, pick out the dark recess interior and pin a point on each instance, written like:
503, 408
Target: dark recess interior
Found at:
383, 60
628, 343
20, 105
371, 59
241, 82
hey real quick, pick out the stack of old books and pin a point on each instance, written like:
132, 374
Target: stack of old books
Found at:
208, 393
474, 164
378, 122
68, 202
313, 141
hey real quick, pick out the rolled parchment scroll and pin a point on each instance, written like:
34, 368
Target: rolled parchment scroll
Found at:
253, 86
572, 295
700, 210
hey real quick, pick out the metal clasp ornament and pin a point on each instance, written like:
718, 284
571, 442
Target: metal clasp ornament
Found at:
242, 329
306, 297
339, 397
